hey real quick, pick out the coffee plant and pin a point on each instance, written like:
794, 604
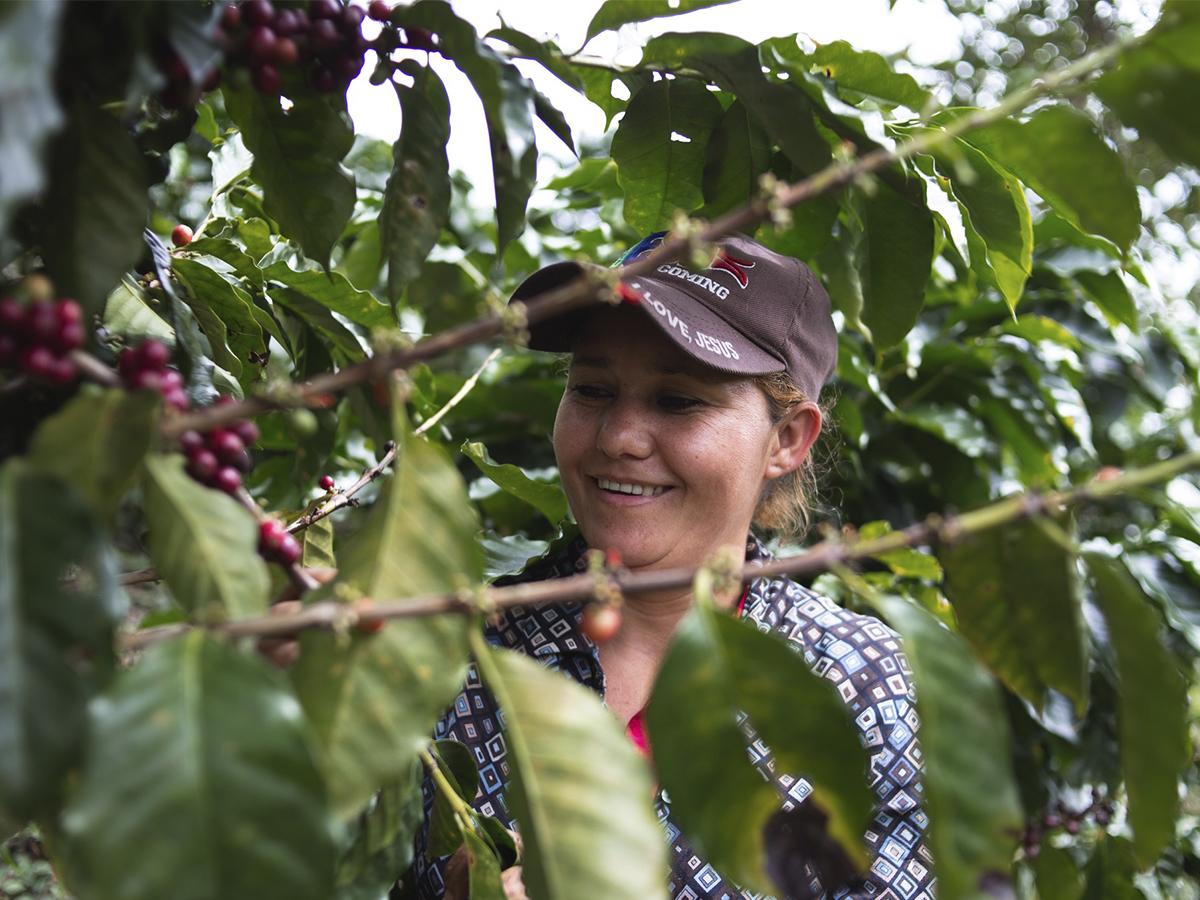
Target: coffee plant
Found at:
301, 384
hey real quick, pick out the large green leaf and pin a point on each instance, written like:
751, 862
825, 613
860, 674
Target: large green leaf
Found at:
895, 253
974, 813
298, 162
333, 291
416, 203
574, 774
28, 53
1058, 153
867, 73
92, 216
659, 149
200, 782
1016, 598
738, 154
1158, 79
996, 216
127, 313
548, 499
375, 699
1152, 707
225, 312
203, 543
507, 108
545, 52
97, 442
57, 635
736, 669
381, 844
615, 13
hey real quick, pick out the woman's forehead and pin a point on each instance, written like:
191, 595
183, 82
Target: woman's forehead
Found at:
624, 338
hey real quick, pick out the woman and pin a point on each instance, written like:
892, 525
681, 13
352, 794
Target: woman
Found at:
688, 415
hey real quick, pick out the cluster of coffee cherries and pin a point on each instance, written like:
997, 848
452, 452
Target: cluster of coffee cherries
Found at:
146, 368
324, 42
276, 544
1060, 816
218, 458
37, 338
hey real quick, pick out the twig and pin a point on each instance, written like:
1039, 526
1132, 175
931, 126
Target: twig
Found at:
580, 291
300, 579
467, 387
822, 557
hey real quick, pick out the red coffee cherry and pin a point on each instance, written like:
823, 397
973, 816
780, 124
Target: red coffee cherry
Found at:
181, 235
258, 12
379, 10
601, 622
227, 479
326, 483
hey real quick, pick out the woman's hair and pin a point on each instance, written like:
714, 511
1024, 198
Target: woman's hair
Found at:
787, 501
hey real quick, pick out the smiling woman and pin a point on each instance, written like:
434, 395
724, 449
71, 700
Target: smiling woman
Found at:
685, 406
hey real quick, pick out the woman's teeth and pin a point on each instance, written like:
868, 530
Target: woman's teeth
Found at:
644, 490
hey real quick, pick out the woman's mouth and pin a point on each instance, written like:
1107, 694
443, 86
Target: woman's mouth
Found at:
630, 488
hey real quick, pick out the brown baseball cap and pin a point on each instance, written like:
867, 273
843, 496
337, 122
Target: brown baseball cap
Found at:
751, 311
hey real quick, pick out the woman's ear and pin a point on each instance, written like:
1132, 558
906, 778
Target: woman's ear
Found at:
793, 437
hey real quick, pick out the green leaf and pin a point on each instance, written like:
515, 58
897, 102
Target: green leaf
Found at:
334, 292
96, 443
225, 312
574, 773
1058, 153
336, 338
1016, 597
615, 13
996, 217
717, 798
57, 635
1111, 870
373, 700
969, 791
1057, 874
895, 254
200, 783
203, 543
907, 562
1152, 706
953, 424
317, 545
545, 52
298, 162
91, 218
416, 203
484, 869
1110, 294
1156, 79
127, 313
738, 154
507, 107
659, 149
868, 73
28, 53
553, 119
457, 764
548, 499
381, 846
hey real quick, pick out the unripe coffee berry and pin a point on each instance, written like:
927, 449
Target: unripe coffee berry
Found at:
601, 622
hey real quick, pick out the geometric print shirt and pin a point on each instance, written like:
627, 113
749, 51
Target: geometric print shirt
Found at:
859, 654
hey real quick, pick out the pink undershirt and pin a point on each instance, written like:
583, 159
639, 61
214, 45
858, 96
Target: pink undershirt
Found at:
636, 729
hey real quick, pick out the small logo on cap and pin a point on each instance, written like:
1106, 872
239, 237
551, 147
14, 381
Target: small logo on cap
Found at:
734, 265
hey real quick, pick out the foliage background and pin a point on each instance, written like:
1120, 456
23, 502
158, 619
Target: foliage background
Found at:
1001, 355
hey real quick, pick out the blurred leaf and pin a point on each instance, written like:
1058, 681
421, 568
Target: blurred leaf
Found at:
1111, 870
1152, 711
203, 543
245, 815
1111, 295
553, 119
225, 312
908, 562
57, 635
1057, 874
363, 260
1016, 597
895, 253
1156, 79
317, 545
970, 795
457, 765
373, 700
868, 73
548, 499
659, 149
417, 202
953, 424
1041, 328
333, 291
509, 555
1058, 154
484, 868
96, 443
996, 216
381, 846
718, 799
445, 295
573, 773
28, 53
127, 313
91, 217
507, 107
298, 162
738, 154
615, 13
1033, 455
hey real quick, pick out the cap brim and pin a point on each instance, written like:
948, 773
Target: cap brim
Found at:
685, 321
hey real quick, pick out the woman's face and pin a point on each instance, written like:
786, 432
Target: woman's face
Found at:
661, 458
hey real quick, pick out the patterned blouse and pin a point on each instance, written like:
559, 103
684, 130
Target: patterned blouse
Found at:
857, 653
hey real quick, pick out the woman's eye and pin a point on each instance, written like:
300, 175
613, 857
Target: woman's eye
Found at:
589, 391
677, 402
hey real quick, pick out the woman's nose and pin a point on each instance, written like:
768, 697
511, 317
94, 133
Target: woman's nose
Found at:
625, 432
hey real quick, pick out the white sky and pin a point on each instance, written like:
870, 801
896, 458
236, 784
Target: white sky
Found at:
924, 28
